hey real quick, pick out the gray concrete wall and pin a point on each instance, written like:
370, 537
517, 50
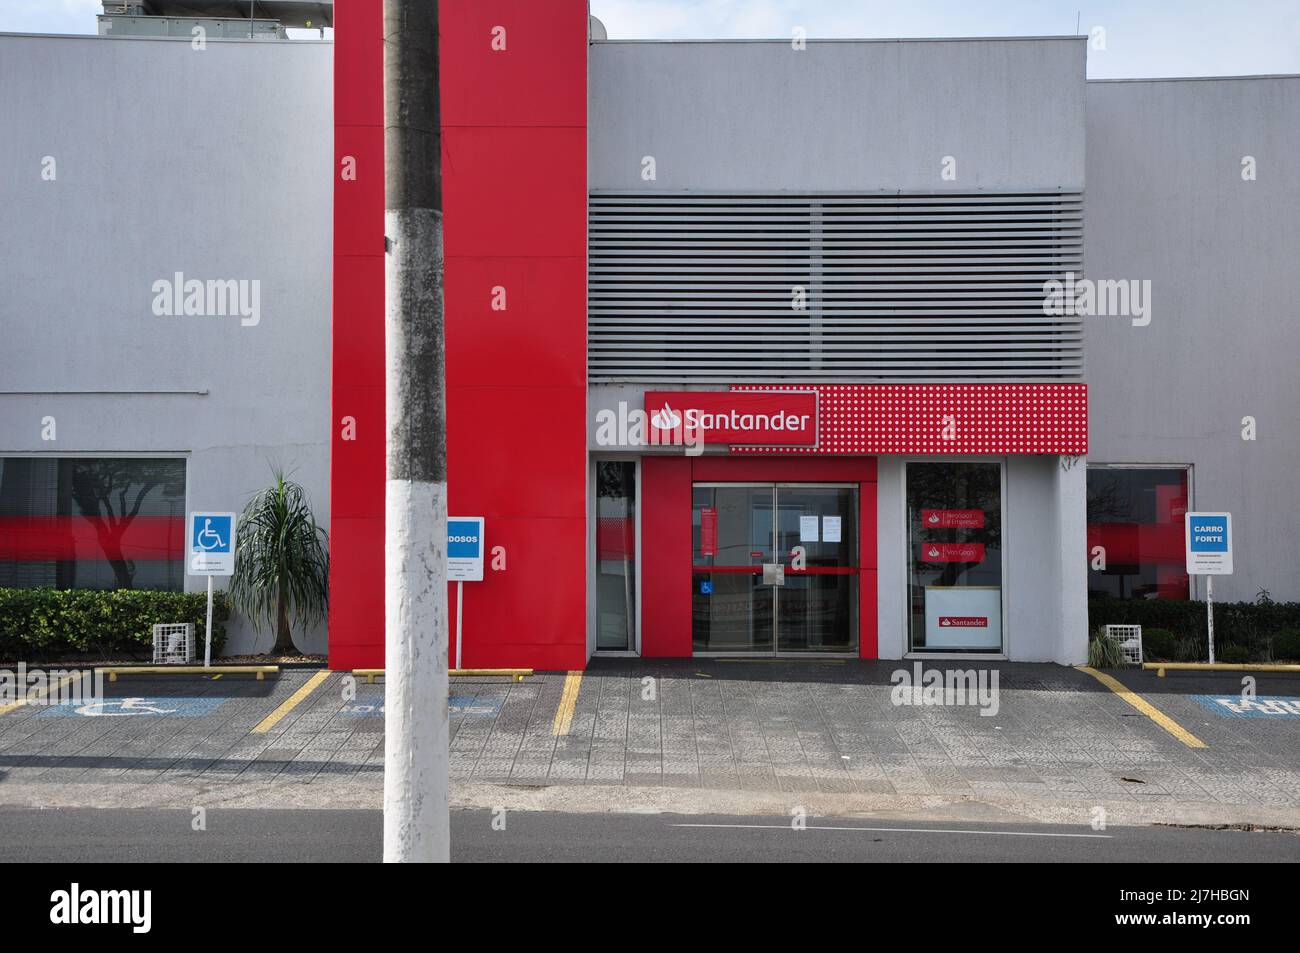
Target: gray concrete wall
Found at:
844, 115
215, 163
1166, 202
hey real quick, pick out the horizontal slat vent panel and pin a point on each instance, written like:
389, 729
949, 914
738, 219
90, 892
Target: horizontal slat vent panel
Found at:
700, 288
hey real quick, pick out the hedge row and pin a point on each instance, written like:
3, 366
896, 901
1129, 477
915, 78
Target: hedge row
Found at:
48, 623
1175, 629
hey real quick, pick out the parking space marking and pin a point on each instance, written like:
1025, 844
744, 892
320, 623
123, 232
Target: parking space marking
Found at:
568, 700
1263, 706
135, 706
290, 703
1146, 708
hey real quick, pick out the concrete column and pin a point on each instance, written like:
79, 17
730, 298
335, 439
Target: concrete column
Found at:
1071, 493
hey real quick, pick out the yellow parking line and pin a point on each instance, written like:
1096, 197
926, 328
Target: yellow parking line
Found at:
290, 703
1148, 709
564, 714
5, 709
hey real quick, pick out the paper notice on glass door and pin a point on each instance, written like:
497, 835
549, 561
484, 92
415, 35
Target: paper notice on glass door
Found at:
807, 529
831, 529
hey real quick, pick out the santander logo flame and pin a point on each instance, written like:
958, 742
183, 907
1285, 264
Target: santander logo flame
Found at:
666, 418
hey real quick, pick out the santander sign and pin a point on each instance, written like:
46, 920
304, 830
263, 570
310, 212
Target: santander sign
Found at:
751, 418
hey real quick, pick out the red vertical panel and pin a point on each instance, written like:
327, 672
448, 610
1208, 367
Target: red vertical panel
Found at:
868, 621
515, 207
514, 196
356, 612
665, 557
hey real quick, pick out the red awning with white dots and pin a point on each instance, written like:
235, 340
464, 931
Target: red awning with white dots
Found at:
941, 418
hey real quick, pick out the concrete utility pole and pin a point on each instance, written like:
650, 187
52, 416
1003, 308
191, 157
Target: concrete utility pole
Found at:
415, 503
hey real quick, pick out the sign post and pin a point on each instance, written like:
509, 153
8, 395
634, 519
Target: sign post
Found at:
211, 549
1209, 553
464, 561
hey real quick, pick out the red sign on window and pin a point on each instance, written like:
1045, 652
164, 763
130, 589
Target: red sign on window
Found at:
952, 553
965, 621
708, 531
952, 519
759, 418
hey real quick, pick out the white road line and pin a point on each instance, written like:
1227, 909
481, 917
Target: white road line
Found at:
896, 830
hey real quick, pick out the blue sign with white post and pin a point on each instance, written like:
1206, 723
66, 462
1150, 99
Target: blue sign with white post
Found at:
212, 544
1209, 553
1209, 544
465, 548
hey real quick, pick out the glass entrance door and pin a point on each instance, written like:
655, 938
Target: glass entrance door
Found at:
774, 568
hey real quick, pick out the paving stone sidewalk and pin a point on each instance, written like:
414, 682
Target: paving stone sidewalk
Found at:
762, 725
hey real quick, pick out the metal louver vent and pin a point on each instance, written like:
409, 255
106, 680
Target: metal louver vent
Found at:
705, 288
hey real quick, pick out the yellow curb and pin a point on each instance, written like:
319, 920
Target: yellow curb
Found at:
289, 704
568, 700
6, 708
1218, 667
1148, 709
261, 671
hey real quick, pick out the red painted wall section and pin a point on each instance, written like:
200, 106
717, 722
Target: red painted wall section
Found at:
514, 103
515, 222
666, 537
665, 557
356, 613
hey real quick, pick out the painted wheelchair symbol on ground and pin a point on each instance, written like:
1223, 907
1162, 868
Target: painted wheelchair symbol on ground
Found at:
138, 706
1235, 706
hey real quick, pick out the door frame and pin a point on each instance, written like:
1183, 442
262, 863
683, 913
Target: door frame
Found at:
905, 545
854, 571
593, 507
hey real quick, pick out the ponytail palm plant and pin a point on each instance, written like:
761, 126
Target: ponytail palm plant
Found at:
281, 562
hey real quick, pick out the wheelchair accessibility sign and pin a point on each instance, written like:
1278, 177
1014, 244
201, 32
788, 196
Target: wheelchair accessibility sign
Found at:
212, 544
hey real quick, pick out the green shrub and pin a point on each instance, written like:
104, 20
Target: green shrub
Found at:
1158, 644
1286, 645
1105, 652
1255, 627
1235, 654
48, 623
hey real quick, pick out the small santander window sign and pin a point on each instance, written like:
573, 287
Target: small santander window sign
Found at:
952, 553
748, 418
964, 621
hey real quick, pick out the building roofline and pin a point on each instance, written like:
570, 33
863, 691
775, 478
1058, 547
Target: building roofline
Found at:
1196, 79
264, 41
784, 41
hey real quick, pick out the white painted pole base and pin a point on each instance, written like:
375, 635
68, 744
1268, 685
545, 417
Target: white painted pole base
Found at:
415, 674
207, 634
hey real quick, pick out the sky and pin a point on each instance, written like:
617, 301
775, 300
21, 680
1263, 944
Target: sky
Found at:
1140, 38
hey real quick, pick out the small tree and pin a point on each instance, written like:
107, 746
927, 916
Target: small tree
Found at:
281, 562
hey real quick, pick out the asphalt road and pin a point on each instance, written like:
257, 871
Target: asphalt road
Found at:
66, 835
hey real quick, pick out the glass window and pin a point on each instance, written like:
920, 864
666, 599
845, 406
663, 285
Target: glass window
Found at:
616, 555
954, 525
737, 530
92, 523
1135, 532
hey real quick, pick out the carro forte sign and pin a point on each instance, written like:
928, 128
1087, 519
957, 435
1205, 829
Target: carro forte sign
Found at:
753, 418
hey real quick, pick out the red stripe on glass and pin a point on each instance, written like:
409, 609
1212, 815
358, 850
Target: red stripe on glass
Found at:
35, 538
